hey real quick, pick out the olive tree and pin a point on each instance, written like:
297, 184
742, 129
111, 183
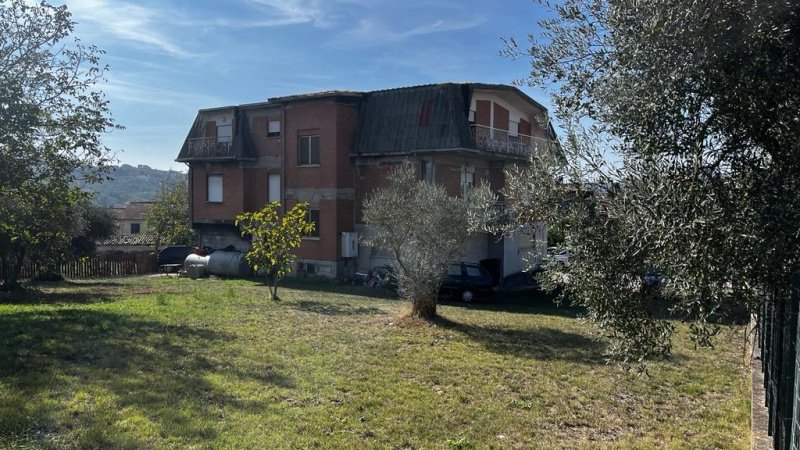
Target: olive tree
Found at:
424, 229
682, 141
52, 118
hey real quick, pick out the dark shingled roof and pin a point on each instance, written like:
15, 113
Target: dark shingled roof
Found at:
400, 120
390, 121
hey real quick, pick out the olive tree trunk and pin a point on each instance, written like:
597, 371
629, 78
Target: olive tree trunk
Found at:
424, 309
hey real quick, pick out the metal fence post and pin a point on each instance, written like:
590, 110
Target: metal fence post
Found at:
793, 432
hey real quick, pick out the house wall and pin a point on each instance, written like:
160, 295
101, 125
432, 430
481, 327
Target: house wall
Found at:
494, 111
336, 186
259, 122
233, 189
124, 226
214, 119
131, 213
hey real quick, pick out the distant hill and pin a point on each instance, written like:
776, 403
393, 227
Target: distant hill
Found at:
129, 184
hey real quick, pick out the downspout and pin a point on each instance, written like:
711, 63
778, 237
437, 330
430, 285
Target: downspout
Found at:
190, 186
283, 158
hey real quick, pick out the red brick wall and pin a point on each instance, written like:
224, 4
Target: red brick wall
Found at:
326, 248
335, 123
256, 194
346, 120
319, 118
265, 146
497, 178
449, 176
371, 177
482, 112
232, 192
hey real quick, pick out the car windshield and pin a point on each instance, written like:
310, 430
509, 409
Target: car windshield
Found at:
477, 273
454, 272
474, 271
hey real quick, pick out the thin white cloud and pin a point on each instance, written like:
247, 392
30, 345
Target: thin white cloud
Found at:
129, 91
370, 32
126, 21
295, 11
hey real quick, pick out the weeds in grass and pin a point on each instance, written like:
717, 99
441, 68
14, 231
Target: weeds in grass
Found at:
161, 299
460, 443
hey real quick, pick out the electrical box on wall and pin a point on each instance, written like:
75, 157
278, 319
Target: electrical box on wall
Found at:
349, 244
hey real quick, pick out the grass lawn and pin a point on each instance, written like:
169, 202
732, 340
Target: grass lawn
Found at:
176, 363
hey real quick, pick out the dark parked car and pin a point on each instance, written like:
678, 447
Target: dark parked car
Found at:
172, 255
467, 282
520, 282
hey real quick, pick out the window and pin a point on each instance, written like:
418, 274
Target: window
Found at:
274, 188
454, 272
224, 133
274, 128
426, 171
135, 228
313, 216
467, 179
215, 188
308, 152
425, 113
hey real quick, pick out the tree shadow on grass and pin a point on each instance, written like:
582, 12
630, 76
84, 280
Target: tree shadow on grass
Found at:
541, 343
334, 287
522, 303
33, 296
334, 309
100, 379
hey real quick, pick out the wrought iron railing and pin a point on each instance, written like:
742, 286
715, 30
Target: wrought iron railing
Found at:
209, 147
502, 141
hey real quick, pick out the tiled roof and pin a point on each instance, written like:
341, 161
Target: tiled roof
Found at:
129, 239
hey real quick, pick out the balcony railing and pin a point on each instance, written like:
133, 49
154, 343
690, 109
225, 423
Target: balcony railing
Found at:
501, 141
209, 147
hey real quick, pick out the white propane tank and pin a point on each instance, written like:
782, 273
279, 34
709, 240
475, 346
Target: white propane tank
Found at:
193, 260
227, 264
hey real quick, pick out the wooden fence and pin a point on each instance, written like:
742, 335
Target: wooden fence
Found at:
100, 266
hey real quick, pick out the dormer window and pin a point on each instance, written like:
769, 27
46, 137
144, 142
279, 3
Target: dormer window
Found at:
425, 113
224, 133
274, 128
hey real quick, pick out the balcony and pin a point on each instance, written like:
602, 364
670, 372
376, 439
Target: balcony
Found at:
210, 147
501, 141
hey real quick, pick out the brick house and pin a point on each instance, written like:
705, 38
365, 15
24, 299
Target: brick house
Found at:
332, 149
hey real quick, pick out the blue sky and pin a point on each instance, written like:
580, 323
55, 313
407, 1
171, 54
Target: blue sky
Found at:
169, 59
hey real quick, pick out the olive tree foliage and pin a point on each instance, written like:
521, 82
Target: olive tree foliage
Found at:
90, 224
424, 229
52, 118
274, 238
168, 217
682, 153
